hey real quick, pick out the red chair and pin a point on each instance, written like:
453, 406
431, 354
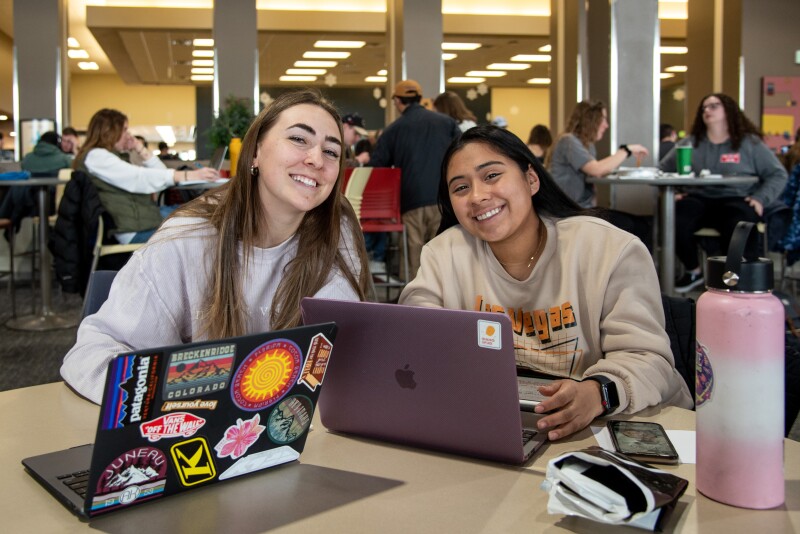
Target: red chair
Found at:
374, 194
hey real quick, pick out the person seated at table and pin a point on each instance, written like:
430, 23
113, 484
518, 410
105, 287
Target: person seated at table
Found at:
725, 142
573, 158
125, 190
239, 259
540, 141
582, 294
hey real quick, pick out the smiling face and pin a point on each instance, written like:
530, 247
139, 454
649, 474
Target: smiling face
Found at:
298, 164
491, 196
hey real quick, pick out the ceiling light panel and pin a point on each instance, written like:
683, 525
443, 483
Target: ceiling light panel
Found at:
546, 48
73, 43
673, 49
486, 73
78, 54
532, 58
508, 66
447, 56
290, 78
315, 64
202, 63
202, 77
202, 53
465, 79
539, 81
460, 46
203, 42
339, 44
307, 72
677, 68
375, 79
315, 54
88, 65
202, 70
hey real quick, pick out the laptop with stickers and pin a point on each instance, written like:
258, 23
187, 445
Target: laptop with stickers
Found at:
429, 377
177, 418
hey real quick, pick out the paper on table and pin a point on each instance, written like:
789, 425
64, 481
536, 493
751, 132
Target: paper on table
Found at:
683, 440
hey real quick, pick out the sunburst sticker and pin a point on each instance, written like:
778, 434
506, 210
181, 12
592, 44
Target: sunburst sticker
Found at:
266, 375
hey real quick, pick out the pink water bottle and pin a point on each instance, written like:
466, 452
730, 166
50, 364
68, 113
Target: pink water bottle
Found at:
740, 381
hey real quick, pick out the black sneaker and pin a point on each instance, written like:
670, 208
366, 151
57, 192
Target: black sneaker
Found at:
688, 281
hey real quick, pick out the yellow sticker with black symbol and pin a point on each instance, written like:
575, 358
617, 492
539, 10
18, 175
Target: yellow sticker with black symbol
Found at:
192, 461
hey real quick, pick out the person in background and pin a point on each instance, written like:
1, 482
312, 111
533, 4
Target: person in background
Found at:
415, 142
46, 157
363, 146
583, 295
133, 156
451, 104
125, 189
792, 156
539, 141
70, 143
238, 259
724, 142
668, 137
573, 158
164, 153
354, 129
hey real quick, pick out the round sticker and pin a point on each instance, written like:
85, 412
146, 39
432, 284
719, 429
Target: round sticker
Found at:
266, 375
290, 419
137, 474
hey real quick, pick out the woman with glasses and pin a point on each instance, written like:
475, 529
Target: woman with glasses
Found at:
727, 143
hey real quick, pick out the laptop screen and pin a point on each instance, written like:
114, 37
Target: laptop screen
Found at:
218, 157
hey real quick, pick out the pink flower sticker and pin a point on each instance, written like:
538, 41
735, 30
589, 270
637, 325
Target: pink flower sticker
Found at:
239, 437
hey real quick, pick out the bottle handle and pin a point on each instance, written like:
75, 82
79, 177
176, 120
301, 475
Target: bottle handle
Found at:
736, 250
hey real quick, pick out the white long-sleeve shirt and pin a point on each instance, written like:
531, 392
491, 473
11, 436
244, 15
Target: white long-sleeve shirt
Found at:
153, 177
156, 299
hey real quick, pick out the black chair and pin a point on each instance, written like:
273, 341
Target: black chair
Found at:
679, 313
97, 291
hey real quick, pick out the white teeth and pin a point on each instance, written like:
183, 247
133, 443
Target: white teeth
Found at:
488, 214
303, 180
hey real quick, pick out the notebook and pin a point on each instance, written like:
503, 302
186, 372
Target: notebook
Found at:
178, 418
429, 377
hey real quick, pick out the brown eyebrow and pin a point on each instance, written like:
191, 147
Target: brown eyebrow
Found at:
477, 168
312, 131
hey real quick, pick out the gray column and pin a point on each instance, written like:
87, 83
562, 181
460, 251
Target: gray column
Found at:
569, 74
40, 62
235, 51
414, 39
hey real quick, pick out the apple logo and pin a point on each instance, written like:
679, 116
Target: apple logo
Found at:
405, 377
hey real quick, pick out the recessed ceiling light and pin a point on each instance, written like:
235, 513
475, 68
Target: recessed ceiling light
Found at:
508, 66
486, 73
546, 48
3, 117
202, 70
533, 58
202, 63
313, 54
318, 72
465, 79
447, 56
203, 42
202, 77
339, 44
298, 78
677, 68
375, 79
539, 81
72, 42
666, 75
12, 134
460, 46
383, 72
314, 64
78, 54
88, 65
673, 49
202, 53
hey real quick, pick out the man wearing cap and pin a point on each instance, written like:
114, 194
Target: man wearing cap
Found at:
416, 142
353, 128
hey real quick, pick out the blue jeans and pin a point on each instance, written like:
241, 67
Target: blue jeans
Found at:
144, 235
376, 245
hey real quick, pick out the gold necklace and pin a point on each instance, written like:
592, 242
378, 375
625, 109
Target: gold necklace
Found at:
541, 235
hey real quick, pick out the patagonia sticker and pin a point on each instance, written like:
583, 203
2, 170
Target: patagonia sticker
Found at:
138, 475
174, 425
192, 461
131, 390
290, 419
489, 335
319, 352
196, 404
239, 437
199, 371
266, 375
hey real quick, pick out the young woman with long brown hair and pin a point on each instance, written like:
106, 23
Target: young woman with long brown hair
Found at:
240, 258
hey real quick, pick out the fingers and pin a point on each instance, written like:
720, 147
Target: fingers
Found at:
574, 405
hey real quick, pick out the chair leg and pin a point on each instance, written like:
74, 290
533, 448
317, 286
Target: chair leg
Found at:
33, 268
405, 256
12, 290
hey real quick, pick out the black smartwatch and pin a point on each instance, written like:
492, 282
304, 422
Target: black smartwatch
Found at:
626, 149
608, 393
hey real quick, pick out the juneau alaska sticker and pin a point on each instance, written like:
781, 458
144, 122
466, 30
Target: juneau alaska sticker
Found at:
138, 475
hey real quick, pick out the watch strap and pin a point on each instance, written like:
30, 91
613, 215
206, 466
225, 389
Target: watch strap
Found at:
608, 393
626, 149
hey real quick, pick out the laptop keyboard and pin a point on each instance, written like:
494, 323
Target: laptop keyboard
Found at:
527, 435
77, 481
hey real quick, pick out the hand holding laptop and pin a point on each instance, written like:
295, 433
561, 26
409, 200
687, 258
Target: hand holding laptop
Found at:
203, 174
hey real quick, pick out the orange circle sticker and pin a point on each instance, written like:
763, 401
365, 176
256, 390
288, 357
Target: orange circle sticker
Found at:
266, 375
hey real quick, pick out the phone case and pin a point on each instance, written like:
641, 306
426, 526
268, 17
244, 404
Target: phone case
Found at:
643, 441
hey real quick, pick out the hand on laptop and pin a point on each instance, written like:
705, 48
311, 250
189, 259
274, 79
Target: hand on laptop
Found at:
206, 174
573, 405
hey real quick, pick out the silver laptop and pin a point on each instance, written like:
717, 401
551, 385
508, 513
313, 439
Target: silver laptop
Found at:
218, 157
429, 377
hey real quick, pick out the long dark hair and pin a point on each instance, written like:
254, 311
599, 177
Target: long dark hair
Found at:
739, 126
236, 212
550, 200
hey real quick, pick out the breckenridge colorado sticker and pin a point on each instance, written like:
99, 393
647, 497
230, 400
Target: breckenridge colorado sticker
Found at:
131, 389
319, 353
266, 375
199, 371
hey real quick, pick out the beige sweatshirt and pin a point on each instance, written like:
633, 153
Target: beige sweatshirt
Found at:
591, 305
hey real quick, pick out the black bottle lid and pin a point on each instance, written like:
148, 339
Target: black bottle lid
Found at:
736, 272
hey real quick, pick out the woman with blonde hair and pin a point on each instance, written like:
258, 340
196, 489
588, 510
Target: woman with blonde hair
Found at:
238, 259
451, 104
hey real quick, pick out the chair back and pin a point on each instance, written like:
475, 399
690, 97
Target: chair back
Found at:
679, 314
97, 291
375, 196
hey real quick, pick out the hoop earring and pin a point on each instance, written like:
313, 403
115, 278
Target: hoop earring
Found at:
253, 171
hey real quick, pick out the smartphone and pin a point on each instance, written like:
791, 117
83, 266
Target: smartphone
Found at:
646, 442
